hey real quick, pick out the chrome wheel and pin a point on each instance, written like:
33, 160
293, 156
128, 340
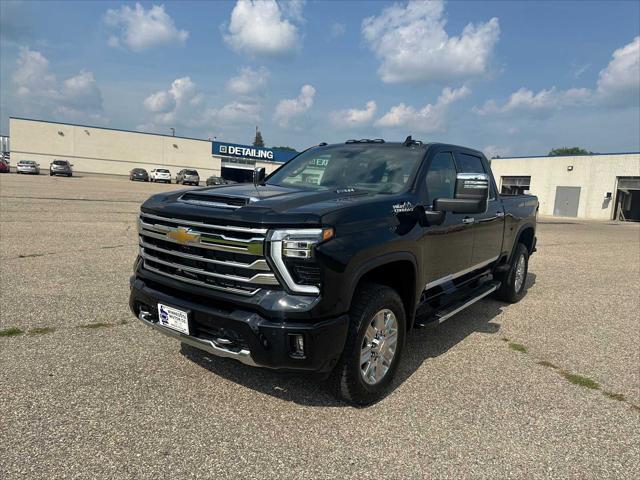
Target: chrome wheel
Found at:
378, 346
520, 273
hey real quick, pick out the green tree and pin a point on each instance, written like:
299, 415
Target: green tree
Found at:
258, 141
285, 148
566, 151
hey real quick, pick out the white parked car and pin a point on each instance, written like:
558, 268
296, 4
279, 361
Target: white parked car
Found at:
160, 175
28, 166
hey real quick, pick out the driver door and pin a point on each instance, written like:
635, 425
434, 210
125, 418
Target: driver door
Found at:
446, 248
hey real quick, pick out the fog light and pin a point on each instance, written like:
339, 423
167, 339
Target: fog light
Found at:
296, 345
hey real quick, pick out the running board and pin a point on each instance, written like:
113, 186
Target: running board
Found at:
449, 311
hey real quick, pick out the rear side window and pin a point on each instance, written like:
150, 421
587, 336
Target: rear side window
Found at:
469, 163
441, 177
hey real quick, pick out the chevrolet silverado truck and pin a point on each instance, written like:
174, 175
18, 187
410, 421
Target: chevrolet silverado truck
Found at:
328, 263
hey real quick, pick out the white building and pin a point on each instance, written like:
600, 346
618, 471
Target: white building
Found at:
598, 186
111, 151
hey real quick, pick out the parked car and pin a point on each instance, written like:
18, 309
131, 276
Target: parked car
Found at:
4, 166
60, 167
188, 176
28, 166
139, 174
6, 156
216, 181
330, 276
160, 175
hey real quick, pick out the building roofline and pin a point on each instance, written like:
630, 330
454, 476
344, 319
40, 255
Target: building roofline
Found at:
565, 156
108, 128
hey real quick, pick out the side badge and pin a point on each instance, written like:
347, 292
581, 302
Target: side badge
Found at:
404, 207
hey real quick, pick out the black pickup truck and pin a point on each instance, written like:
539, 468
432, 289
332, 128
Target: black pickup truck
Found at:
327, 264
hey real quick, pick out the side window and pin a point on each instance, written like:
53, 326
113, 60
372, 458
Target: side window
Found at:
441, 177
469, 163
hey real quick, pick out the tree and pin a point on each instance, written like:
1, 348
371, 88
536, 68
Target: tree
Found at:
566, 151
258, 141
285, 148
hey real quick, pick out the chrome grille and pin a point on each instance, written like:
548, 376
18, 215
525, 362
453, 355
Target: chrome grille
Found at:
219, 257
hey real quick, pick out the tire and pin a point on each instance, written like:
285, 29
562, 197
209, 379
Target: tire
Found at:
348, 379
513, 287
50, 174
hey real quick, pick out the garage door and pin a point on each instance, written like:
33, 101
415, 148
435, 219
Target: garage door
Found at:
567, 201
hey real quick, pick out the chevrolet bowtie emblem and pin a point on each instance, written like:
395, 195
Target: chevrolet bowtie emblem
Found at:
183, 235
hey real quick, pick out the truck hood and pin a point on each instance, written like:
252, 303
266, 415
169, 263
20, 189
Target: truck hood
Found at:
267, 204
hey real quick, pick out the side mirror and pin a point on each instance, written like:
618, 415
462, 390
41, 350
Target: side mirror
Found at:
471, 195
259, 174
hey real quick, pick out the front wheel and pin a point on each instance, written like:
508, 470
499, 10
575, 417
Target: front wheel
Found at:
374, 345
513, 286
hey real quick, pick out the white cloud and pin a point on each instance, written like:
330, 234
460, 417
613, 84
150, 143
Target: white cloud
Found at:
236, 113
337, 30
620, 80
248, 81
430, 118
77, 97
140, 29
542, 101
413, 46
353, 117
261, 28
175, 104
492, 151
183, 106
618, 85
294, 107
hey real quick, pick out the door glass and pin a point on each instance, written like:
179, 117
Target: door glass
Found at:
441, 177
469, 163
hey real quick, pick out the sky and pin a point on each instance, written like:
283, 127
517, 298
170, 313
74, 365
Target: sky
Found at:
509, 78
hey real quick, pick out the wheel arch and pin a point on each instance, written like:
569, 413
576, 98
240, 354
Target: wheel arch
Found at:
526, 235
397, 270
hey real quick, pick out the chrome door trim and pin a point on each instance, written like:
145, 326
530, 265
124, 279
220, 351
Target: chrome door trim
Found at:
453, 276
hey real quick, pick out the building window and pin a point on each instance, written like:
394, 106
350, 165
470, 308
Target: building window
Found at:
515, 185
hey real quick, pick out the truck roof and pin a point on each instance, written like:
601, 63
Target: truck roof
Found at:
382, 143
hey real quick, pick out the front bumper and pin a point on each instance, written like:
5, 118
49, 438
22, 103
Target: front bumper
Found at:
245, 335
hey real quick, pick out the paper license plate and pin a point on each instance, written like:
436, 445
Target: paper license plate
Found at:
173, 318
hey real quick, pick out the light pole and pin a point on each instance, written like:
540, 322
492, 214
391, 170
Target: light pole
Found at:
173, 131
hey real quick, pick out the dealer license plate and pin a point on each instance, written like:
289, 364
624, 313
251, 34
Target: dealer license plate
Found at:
173, 318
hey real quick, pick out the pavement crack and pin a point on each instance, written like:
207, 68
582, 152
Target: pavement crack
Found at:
573, 378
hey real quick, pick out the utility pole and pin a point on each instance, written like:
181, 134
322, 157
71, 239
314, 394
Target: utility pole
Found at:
173, 131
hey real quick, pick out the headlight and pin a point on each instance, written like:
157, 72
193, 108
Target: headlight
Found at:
292, 251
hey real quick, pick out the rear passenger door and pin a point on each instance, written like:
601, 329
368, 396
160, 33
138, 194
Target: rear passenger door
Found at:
488, 227
446, 248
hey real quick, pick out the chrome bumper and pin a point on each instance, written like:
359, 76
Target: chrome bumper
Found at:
208, 346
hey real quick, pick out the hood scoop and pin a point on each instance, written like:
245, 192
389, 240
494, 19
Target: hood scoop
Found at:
218, 201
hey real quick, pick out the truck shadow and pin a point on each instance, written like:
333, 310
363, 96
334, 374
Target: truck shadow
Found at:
310, 390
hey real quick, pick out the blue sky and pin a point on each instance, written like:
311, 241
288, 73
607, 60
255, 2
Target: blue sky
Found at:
512, 78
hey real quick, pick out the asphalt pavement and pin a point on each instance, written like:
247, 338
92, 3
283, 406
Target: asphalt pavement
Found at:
546, 388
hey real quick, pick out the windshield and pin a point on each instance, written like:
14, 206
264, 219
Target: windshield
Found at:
375, 167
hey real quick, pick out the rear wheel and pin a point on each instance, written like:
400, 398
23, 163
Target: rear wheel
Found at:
374, 345
513, 286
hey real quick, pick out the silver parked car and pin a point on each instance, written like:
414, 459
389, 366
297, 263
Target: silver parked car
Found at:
28, 166
61, 167
188, 176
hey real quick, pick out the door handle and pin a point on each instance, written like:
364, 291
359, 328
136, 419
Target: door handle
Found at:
468, 220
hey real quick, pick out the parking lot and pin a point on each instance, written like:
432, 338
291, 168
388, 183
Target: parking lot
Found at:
548, 387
